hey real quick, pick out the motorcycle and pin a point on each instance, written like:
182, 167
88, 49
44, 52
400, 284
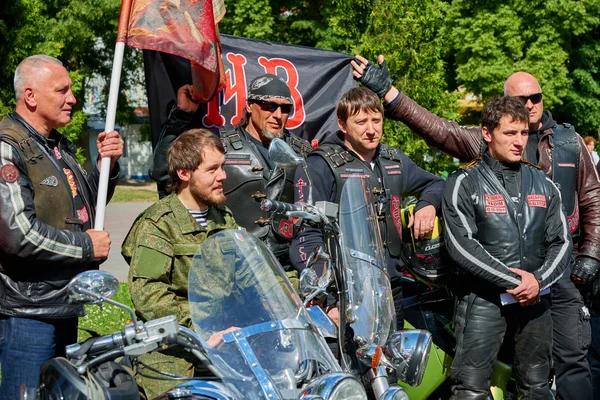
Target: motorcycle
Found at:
355, 271
268, 344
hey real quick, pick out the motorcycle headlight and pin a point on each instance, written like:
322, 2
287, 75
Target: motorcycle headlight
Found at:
395, 393
409, 351
335, 386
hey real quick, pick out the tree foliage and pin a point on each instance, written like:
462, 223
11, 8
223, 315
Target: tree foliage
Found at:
556, 41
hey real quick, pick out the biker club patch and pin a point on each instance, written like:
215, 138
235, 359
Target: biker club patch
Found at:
396, 214
71, 180
495, 204
9, 173
286, 228
536, 200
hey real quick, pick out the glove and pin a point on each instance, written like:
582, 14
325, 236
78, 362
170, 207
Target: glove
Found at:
585, 270
377, 78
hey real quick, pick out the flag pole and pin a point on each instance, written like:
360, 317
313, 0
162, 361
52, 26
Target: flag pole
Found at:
111, 110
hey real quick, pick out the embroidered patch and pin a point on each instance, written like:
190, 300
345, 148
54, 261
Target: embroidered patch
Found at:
494, 203
286, 228
300, 184
238, 162
354, 170
568, 165
83, 215
394, 172
57, 153
395, 166
314, 143
9, 173
354, 175
50, 181
573, 220
396, 214
536, 200
71, 180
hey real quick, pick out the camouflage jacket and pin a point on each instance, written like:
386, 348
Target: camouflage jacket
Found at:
159, 249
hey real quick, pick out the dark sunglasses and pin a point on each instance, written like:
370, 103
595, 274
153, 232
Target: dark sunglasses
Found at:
535, 98
271, 106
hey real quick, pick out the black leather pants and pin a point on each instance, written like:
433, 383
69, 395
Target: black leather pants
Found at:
480, 329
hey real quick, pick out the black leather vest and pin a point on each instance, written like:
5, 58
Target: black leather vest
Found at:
249, 181
53, 199
513, 233
565, 170
387, 191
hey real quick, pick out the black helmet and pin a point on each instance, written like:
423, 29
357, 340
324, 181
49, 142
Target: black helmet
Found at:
427, 258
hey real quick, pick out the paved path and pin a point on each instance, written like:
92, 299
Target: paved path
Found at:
119, 218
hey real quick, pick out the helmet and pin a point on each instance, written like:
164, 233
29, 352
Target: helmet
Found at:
427, 258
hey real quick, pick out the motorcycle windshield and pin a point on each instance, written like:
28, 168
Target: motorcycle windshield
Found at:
370, 308
254, 328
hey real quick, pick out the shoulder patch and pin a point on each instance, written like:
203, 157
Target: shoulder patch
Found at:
9, 173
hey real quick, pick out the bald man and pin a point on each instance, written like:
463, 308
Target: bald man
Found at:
561, 153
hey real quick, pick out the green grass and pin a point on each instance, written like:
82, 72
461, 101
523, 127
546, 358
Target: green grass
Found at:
129, 195
107, 320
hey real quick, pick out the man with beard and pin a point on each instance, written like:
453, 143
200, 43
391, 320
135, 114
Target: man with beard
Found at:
496, 210
164, 238
561, 153
252, 176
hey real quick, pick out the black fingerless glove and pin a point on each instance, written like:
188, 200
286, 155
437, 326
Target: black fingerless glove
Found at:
377, 78
585, 270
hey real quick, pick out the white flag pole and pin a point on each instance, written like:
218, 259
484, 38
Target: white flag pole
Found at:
111, 110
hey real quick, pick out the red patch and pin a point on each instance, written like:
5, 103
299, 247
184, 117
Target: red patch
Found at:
57, 153
314, 143
71, 180
286, 228
300, 184
9, 173
83, 215
394, 172
238, 162
396, 214
494, 203
354, 175
536, 200
573, 220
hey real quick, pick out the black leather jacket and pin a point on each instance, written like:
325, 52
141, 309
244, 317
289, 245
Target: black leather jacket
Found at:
487, 232
37, 259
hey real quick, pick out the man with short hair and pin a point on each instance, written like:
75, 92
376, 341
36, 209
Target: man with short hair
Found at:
561, 153
506, 231
47, 206
252, 176
355, 150
161, 244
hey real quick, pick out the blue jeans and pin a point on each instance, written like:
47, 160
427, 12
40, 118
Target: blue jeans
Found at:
25, 344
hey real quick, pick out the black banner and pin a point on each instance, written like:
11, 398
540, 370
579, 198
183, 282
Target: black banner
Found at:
317, 79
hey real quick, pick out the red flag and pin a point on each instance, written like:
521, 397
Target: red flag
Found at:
186, 28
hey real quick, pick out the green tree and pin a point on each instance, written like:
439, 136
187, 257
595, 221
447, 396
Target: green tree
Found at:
556, 41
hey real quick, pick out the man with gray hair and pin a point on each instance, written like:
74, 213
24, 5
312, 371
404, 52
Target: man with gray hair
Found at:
47, 205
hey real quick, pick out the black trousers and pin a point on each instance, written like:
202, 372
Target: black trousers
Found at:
572, 337
480, 329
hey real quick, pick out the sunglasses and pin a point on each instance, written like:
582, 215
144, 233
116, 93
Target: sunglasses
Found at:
271, 106
535, 98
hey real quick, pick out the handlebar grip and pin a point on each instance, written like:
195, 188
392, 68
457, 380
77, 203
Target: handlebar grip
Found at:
279, 207
96, 345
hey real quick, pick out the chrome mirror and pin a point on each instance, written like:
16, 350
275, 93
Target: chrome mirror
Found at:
408, 352
282, 154
93, 287
327, 328
308, 282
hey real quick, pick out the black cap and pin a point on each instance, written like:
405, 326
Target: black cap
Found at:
268, 86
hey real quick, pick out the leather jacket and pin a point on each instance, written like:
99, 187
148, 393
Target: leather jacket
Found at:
465, 143
38, 259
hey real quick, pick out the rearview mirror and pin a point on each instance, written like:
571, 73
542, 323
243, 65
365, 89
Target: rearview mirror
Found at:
282, 154
93, 286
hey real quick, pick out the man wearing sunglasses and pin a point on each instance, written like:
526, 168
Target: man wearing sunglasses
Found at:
561, 153
251, 176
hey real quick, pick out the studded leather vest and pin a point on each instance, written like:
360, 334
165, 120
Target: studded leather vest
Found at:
53, 199
511, 232
565, 170
387, 190
249, 181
